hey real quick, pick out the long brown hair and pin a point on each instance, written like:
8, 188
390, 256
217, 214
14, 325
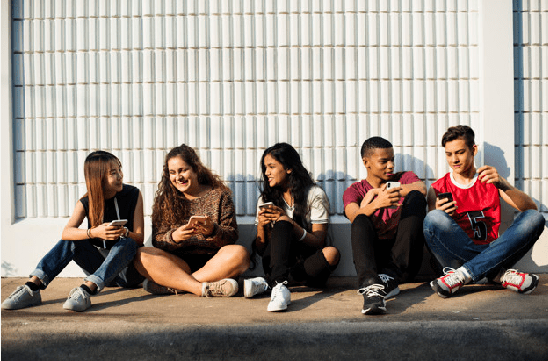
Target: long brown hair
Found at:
96, 167
170, 205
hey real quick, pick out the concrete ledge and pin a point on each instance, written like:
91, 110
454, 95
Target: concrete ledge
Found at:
480, 322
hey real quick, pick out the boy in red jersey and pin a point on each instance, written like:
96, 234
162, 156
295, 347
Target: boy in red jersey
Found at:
461, 228
386, 231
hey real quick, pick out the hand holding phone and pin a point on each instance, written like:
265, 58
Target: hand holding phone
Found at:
446, 195
118, 222
445, 203
391, 185
196, 221
265, 205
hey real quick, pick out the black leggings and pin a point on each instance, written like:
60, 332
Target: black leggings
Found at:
285, 258
401, 257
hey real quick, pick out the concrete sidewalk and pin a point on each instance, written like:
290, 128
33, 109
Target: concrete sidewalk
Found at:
480, 322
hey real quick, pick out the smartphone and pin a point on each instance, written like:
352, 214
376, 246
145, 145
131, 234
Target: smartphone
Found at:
118, 222
447, 195
265, 205
391, 185
196, 220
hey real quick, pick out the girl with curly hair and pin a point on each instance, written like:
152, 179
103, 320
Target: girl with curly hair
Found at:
292, 221
193, 232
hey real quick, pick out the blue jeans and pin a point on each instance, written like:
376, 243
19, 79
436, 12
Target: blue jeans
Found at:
103, 270
452, 247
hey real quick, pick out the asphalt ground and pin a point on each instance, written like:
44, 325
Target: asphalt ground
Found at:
483, 322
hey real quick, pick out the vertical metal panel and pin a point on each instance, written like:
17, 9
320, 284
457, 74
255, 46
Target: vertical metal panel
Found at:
531, 100
232, 78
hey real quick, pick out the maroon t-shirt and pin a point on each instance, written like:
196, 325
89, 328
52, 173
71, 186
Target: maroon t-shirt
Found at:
385, 220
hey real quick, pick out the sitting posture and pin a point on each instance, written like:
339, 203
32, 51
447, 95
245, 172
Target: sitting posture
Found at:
104, 251
386, 210
292, 222
462, 227
193, 232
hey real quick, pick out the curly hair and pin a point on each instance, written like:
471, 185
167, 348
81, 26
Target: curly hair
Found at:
299, 180
96, 168
171, 205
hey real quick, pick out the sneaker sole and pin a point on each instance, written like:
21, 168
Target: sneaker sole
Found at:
434, 286
14, 307
393, 293
374, 310
249, 292
532, 287
281, 308
77, 309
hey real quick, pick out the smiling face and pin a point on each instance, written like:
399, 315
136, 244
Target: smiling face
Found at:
379, 165
183, 177
277, 175
460, 157
112, 182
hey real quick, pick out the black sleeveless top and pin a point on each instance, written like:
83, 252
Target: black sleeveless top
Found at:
127, 201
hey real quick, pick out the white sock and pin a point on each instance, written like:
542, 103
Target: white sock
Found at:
464, 272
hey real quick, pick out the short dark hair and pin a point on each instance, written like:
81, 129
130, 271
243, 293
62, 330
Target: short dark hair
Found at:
374, 143
459, 132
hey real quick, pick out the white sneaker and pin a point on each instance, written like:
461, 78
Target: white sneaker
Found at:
22, 297
224, 288
78, 300
280, 298
255, 286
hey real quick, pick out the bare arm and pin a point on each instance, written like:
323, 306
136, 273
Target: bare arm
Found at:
374, 200
440, 204
138, 234
71, 232
415, 186
510, 194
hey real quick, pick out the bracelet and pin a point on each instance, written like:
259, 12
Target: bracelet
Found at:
127, 232
89, 233
304, 234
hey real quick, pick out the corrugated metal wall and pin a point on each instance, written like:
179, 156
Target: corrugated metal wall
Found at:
531, 98
231, 78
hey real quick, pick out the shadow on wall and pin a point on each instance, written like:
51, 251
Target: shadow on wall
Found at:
8, 270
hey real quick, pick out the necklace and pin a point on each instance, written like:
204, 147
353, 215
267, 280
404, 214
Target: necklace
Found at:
290, 206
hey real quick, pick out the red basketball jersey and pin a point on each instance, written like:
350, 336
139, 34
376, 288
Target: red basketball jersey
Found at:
478, 212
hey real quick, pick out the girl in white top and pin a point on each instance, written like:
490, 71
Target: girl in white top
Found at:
292, 222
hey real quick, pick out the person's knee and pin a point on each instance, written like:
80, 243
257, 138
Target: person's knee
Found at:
536, 220
436, 219
361, 222
415, 198
145, 255
331, 255
237, 255
128, 245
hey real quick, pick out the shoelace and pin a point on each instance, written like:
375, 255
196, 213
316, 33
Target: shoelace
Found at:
372, 290
277, 289
216, 288
452, 277
18, 293
77, 293
385, 278
513, 276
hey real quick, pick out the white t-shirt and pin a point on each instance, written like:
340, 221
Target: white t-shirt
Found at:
318, 208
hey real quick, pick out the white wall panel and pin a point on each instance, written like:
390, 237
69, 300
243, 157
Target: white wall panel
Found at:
231, 78
531, 99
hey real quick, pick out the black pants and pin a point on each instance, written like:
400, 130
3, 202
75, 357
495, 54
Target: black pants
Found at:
285, 258
401, 257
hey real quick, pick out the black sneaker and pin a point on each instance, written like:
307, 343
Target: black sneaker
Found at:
373, 299
390, 286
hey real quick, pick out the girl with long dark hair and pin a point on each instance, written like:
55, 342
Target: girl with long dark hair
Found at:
292, 222
193, 232
104, 251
